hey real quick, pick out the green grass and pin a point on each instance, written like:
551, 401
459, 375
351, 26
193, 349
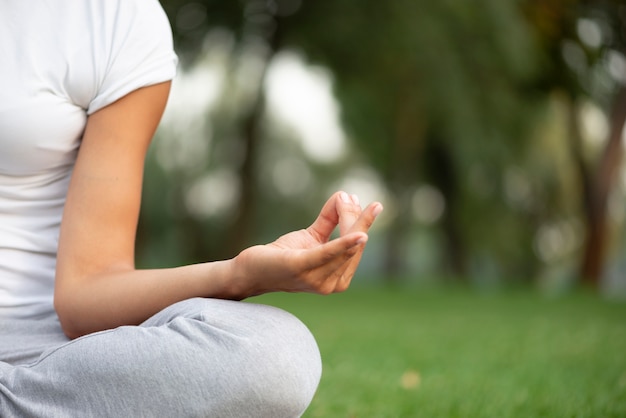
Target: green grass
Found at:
458, 353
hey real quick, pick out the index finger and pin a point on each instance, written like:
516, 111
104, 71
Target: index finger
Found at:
349, 211
365, 221
340, 209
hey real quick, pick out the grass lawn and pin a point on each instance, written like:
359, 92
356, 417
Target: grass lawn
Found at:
460, 353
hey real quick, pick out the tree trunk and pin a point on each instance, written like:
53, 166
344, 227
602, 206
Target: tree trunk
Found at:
406, 148
596, 197
397, 236
240, 235
442, 172
242, 231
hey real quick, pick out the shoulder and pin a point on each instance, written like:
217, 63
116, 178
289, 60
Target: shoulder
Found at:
125, 17
134, 48
87, 53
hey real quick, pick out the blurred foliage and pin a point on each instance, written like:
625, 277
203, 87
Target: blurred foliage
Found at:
430, 94
467, 103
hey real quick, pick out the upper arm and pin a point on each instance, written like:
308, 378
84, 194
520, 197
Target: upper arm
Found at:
102, 207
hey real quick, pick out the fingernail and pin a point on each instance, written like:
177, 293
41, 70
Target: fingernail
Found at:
355, 199
362, 240
377, 210
344, 197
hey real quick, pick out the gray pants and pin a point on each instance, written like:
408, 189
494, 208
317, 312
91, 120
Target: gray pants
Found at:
197, 358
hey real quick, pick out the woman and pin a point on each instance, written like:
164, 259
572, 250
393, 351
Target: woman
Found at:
82, 332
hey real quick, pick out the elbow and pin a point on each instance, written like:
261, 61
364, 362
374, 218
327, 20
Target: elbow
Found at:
65, 312
69, 329
71, 333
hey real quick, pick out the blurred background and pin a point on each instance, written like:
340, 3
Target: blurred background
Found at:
491, 130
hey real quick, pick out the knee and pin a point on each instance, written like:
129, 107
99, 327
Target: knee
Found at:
249, 360
286, 365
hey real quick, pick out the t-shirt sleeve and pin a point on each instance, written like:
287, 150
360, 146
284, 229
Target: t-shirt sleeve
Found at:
138, 50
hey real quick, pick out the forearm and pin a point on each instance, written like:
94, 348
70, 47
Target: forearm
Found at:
128, 296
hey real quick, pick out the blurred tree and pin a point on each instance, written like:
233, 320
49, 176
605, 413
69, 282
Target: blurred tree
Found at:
429, 90
237, 120
428, 94
446, 94
585, 58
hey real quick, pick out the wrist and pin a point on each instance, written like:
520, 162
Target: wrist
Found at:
235, 282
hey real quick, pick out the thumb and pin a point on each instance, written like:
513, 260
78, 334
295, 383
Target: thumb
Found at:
339, 249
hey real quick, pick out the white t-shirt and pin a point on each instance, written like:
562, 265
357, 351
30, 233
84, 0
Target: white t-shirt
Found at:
60, 60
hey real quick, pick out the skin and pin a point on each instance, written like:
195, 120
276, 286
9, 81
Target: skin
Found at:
97, 285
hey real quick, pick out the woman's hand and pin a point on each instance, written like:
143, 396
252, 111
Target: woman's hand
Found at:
305, 260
